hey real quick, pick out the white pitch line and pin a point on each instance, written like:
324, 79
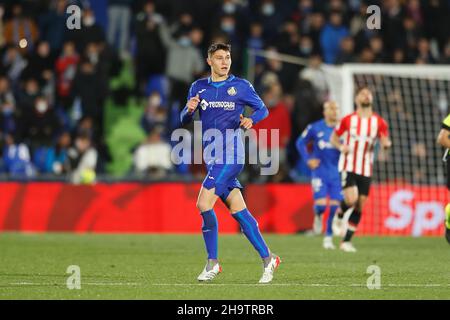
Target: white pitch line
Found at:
129, 284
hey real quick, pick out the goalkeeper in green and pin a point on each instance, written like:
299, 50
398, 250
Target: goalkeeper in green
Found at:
444, 140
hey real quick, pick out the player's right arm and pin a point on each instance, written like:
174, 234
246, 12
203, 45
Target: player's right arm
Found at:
301, 144
187, 114
337, 133
444, 135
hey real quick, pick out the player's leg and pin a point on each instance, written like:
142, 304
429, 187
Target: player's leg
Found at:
349, 195
355, 217
320, 203
328, 239
205, 204
249, 226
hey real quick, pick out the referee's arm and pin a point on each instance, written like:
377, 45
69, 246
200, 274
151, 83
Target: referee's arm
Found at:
444, 138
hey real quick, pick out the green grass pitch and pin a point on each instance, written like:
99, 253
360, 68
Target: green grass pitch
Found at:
33, 266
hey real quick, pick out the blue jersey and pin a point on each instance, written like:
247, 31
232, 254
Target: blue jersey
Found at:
319, 134
220, 107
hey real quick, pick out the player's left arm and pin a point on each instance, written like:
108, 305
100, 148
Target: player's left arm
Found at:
383, 134
260, 110
444, 135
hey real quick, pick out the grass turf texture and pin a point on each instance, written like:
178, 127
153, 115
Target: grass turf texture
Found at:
33, 266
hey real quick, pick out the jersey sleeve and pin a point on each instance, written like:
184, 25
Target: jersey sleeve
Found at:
383, 129
185, 116
252, 100
446, 123
342, 127
302, 142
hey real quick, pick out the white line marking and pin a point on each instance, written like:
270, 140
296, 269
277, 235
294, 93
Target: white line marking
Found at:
129, 284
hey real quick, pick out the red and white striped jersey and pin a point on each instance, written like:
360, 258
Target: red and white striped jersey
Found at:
360, 135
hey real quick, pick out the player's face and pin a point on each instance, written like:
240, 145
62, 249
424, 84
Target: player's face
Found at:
364, 98
220, 62
331, 111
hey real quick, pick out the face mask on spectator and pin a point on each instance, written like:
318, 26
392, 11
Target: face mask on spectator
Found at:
229, 8
268, 9
89, 21
155, 101
227, 27
7, 110
41, 106
184, 41
306, 49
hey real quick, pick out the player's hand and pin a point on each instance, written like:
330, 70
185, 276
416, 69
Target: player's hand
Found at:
313, 163
344, 149
193, 103
246, 123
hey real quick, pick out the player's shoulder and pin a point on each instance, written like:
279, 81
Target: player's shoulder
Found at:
349, 116
379, 117
200, 82
318, 123
241, 82
446, 121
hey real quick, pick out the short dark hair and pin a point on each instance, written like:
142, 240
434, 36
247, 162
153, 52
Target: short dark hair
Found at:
218, 46
361, 88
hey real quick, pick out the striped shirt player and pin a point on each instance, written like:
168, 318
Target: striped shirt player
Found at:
356, 137
360, 134
444, 140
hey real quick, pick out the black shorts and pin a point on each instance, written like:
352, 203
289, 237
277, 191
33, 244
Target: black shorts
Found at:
350, 179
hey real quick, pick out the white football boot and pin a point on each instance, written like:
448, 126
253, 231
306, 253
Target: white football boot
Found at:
211, 274
270, 269
347, 247
328, 243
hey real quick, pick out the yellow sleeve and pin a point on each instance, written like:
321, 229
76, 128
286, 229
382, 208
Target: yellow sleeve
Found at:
446, 123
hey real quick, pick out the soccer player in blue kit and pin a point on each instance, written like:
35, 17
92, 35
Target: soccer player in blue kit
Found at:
220, 100
323, 162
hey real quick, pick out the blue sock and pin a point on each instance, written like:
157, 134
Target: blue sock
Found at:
319, 209
250, 228
333, 210
210, 233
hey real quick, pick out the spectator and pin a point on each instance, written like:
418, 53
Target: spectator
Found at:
423, 52
16, 158
66, 67
83, 160
52, 25
57, 161
155, 114
184, 63
150, 51
13, 64
331, 37
152, 158
346, 54
8, 114
40, 126
90, 32
21, 31
314, 74
119, 17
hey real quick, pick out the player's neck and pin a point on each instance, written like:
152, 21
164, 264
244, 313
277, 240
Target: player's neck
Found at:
364, 112
217, 78
331, 123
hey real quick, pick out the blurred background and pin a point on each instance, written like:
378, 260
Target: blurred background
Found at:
98, 104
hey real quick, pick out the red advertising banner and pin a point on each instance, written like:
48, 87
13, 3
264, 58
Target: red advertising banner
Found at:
170, 208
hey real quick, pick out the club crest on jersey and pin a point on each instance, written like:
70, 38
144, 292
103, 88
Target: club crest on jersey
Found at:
204, 104
232, 91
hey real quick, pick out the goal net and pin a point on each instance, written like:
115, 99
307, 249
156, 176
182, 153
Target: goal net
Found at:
408, 195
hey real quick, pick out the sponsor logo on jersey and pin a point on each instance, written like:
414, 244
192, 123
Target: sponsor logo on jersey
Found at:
232, 91
204, 104
225, 105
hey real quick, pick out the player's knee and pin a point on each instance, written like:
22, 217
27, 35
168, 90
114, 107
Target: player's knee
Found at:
203, 205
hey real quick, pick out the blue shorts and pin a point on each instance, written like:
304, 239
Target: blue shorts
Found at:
223, 177
324, 188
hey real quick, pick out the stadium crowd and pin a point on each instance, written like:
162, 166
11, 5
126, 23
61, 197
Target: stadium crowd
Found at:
54, 82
